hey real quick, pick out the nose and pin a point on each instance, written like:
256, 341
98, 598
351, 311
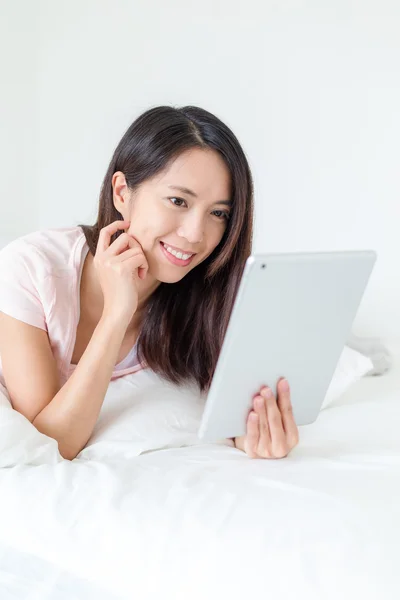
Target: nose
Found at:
192, 228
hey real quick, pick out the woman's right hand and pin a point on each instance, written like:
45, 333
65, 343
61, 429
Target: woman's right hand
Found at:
119, 266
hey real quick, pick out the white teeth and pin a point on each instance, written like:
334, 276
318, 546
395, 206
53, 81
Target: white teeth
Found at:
179, 255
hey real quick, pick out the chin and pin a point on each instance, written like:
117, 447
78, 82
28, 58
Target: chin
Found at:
163, 277
168, 274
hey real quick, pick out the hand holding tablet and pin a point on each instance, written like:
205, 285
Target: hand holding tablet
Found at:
271, 428
291, 318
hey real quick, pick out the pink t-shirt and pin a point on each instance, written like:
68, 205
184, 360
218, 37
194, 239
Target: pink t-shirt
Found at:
40, 276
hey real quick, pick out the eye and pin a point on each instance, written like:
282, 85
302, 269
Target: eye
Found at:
179, 201
221, 214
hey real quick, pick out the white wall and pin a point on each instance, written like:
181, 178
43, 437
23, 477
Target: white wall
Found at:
18, 108
311, 88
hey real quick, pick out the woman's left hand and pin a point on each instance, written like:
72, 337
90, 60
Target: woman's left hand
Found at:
271, 428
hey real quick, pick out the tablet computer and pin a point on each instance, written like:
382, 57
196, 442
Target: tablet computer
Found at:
292, 315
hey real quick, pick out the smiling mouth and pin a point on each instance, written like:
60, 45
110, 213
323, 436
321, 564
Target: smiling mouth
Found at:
181, 254
175, 256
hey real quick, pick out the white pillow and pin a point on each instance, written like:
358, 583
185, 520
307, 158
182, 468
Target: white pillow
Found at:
141, 413
351, 367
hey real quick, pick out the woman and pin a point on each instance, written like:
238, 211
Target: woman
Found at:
151, 284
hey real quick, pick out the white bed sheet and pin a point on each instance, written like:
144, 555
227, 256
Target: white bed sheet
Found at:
205, 521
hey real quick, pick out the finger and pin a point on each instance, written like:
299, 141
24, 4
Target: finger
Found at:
126, 254
279, 447
253, 434
136, 258
142, 265
286, 410
264, 444
107, 232
123, 242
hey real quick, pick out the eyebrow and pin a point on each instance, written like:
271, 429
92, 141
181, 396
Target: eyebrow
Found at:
191, 193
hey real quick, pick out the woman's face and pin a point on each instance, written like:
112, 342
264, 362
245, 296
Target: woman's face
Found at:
178, 229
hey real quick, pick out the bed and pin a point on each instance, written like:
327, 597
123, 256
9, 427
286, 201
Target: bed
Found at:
176, 519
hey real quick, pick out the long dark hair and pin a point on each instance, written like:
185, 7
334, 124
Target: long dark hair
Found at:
185, 322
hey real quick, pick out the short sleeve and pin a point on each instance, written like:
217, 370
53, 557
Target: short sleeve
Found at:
21, 270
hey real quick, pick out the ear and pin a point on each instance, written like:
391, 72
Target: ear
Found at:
120, 194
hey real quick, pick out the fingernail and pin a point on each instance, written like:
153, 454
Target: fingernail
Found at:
284, 385
267, 392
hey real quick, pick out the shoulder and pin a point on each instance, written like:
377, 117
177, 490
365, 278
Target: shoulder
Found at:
45, 252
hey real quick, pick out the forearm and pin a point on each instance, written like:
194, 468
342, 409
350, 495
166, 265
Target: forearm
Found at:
71, 415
